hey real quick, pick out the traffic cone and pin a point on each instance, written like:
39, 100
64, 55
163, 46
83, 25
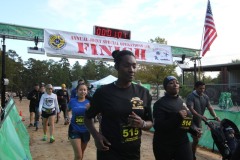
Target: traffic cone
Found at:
20, 114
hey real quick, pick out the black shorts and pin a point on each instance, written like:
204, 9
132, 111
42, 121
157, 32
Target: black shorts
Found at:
63, 107
84, 136
46, 115
32, 109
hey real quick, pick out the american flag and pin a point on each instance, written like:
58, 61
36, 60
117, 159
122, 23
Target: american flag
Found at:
210, 31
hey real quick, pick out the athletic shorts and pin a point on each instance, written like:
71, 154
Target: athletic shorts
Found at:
84, 136
46, 115
63, 107
32, 109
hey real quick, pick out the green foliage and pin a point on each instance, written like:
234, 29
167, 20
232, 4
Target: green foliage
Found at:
159, 40
185, 90
76, 72
154, 74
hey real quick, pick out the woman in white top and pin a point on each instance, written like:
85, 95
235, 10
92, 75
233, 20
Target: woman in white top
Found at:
48, 107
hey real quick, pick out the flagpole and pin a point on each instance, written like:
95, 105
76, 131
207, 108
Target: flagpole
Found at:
201, 46
203, 30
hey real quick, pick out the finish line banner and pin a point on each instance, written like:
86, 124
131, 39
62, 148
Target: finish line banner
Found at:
84, 46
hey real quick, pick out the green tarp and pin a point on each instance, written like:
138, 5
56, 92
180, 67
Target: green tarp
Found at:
14, 138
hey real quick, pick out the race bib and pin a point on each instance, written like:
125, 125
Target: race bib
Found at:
129, 134
79, 120
186, 123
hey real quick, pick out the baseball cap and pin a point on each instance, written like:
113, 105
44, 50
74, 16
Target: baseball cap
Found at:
63, 85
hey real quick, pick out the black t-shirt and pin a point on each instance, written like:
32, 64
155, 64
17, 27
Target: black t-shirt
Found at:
63, 97
34, 97
167, 122
115, 105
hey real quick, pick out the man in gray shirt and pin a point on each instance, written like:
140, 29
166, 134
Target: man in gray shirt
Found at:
197, 102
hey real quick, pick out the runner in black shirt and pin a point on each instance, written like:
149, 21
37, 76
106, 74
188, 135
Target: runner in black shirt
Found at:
125, 110
34, 97
63, 99
172, 121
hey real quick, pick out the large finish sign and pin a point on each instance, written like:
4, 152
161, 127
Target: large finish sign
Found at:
76, 45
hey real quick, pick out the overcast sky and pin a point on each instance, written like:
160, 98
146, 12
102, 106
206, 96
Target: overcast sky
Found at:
179, 22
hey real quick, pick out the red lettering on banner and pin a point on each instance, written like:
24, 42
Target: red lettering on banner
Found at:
140, 55
94, 49
79, 38
82, 47
106, 50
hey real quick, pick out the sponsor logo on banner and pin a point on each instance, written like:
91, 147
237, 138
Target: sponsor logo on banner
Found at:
56, 41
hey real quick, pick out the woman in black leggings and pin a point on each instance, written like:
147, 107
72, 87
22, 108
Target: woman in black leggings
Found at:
172, 121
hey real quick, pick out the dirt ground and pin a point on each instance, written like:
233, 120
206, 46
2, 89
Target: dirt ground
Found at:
61, 149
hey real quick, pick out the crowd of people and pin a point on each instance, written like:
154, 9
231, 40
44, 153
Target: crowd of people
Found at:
125, 111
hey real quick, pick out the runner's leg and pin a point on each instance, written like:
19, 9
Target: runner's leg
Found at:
76, 144
194, 145
51, 122
45, 125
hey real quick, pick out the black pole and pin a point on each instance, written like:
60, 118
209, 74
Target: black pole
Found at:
183, 77
195, 72
3, 96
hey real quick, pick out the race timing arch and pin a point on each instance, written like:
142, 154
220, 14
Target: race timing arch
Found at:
84, 46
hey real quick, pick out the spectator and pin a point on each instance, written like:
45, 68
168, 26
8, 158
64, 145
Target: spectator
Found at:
74, 91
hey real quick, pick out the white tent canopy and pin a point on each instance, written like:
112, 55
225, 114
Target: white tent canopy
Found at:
106, 80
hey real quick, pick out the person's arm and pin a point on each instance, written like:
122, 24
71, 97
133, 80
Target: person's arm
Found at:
40, 104
58, 95
213, 113
211, 109
69, 109
195, 113
148, 114
30, 95
100, 141
56, 103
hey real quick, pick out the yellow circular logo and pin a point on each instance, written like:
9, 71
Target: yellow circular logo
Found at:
57, 42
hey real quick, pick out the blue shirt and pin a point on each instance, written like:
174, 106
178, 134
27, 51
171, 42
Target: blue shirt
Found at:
78, 111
